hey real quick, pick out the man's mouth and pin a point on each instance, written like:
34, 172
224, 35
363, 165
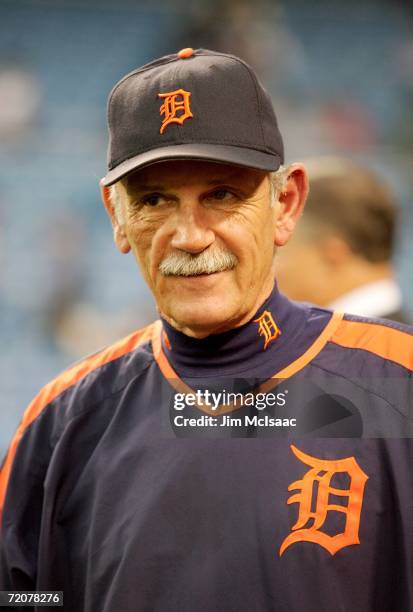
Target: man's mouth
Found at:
195, 274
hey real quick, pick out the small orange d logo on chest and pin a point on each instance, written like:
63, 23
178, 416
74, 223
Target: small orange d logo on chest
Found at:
267, 327
316, 483
175, 102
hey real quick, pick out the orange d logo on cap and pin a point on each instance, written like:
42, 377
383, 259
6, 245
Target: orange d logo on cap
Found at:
175, 102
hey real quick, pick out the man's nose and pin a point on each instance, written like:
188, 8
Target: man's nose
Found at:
192, 231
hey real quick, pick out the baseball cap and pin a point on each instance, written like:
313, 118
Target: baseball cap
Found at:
194, 104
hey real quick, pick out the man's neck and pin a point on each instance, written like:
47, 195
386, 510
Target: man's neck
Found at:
238, 319
277, 333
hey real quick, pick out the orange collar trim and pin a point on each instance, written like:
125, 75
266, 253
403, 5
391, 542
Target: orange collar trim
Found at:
179, 385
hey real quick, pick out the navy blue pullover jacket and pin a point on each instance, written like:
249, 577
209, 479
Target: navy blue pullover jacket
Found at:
110, 494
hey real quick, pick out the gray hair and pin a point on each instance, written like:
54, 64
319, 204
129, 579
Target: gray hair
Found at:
278, 180
116, 202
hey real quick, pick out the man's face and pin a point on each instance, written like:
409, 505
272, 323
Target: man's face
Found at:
183, 219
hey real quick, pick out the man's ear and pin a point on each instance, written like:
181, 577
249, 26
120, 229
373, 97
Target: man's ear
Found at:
292, 200
119, 234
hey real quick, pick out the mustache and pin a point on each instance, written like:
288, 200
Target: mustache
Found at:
209, 261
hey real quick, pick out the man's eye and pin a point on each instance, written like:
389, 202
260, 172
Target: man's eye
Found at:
153, 199
222, 195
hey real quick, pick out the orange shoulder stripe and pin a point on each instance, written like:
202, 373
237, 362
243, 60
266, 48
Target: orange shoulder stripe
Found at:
67, 379
386, 342
314, 349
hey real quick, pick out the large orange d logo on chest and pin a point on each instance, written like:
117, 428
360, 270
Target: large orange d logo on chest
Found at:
318, 480
176, 107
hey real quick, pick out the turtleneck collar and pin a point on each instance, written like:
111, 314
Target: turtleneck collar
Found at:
278, 333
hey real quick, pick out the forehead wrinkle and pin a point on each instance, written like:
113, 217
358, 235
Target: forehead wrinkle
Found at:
179, 175
144, 187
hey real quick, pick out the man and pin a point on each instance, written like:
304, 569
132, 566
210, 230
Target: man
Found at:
167, 471
347, 238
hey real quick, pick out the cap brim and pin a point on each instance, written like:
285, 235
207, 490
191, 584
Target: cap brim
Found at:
238, 156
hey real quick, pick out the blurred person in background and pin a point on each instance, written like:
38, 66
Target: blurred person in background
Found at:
346, 239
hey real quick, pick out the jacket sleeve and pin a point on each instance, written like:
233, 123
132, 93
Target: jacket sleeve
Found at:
22, 478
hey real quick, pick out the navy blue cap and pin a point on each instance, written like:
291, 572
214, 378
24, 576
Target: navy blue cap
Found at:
195, 104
